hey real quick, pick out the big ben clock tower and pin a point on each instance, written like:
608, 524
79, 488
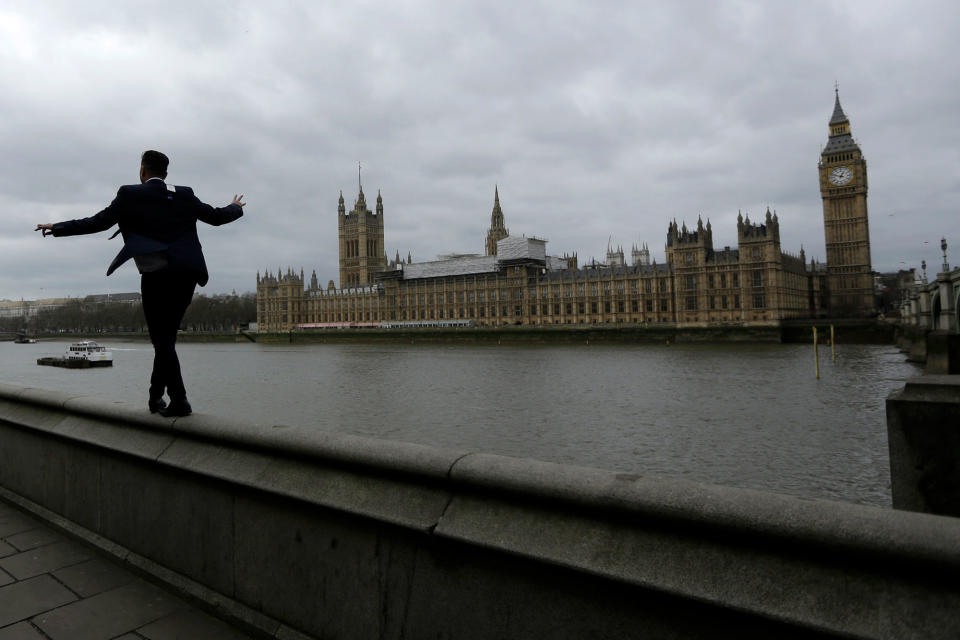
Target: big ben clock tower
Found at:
843, 187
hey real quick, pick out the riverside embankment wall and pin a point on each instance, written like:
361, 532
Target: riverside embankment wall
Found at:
846, 331
301, 530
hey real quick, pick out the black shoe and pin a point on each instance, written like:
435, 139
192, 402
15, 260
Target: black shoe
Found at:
156, 405
176, 409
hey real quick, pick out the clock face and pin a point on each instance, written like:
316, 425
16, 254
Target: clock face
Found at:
841, 176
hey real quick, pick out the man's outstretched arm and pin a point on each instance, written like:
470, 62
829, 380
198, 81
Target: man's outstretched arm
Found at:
99, 222
221, 215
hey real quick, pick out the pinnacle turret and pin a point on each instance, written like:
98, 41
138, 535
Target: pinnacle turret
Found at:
496, 216
497, 229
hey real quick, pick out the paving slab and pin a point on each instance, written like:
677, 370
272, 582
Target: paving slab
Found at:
21, 600
109, 614
6, 510
52, 588
190, 624
44, 559
34, 538
94, 576
15, 522
20, 631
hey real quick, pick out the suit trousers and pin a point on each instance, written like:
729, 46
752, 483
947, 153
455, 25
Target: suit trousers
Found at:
166, 294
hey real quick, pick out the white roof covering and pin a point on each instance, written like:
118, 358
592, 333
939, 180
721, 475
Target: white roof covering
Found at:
510, 248
519, 247
459, 266
556, 264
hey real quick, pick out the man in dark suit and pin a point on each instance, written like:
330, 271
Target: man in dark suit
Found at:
158, 222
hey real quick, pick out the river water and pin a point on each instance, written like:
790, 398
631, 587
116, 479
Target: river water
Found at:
736, 414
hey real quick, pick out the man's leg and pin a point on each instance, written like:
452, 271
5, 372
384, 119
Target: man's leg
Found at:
166, 295
181, 293
152, 294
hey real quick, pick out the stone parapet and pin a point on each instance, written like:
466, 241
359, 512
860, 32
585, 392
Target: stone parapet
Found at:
912, 340
305, 530
923, 430
943, 353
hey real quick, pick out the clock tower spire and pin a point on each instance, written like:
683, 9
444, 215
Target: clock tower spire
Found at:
843, 188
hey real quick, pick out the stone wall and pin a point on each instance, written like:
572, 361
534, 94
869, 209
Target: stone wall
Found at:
567, 334
923, 432
299, 530
912, 340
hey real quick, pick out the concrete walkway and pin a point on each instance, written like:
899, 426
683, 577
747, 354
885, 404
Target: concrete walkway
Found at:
53, 588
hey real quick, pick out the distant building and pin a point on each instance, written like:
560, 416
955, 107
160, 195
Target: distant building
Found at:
30, 308
516, 282
118, 298
362, 253
843, 187
640, 255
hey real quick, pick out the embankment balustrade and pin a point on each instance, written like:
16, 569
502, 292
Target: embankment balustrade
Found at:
302, 530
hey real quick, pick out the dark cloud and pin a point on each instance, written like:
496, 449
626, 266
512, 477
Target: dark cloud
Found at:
596, 121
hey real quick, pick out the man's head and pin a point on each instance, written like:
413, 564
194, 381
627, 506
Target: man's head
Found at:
153, 164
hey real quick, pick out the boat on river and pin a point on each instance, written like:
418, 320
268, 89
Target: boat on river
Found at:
81, 355
25, 340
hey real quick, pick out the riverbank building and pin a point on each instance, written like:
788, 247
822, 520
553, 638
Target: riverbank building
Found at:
843, 187
516, 282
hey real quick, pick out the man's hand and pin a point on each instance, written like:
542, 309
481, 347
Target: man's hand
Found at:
238, 200
47, 229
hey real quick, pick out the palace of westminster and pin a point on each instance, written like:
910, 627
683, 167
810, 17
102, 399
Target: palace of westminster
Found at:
516, 282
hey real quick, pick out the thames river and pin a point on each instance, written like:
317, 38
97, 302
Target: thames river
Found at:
744, 415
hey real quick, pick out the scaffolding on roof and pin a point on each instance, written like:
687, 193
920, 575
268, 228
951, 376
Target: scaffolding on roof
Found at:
459, 266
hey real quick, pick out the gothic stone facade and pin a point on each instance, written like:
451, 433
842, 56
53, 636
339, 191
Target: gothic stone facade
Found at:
843, 187
756, 283
361, 242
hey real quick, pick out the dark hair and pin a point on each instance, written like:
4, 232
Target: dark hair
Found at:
155, 163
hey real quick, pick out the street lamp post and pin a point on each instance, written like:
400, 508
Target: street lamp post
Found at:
943, 247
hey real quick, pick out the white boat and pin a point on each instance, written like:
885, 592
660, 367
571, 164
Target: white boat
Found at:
96, 354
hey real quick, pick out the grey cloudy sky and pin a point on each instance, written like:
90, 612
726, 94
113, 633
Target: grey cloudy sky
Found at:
596, 120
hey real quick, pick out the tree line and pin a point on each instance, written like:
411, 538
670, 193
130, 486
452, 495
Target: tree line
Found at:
206, 314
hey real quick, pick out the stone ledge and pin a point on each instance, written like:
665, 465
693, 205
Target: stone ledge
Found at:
817, 523
308, 443
936, 388
283, 460
814, 565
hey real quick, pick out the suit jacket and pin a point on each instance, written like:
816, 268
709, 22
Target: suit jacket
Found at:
153, 218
